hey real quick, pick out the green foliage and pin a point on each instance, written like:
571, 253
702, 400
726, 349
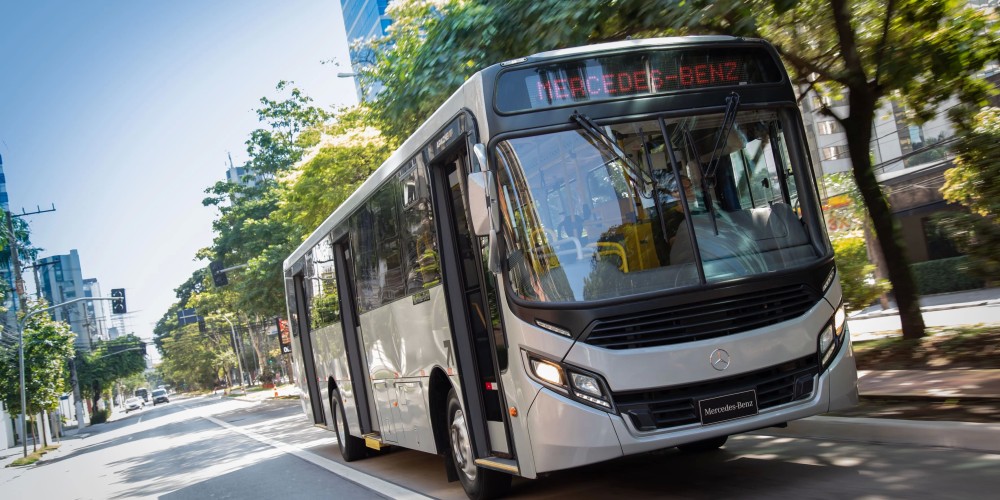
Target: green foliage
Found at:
47, 347
109, 361
974, 182
245, 232
945, 275
328, 174
188, 360
100, 416
857, 273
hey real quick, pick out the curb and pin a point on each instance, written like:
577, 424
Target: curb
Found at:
946, 434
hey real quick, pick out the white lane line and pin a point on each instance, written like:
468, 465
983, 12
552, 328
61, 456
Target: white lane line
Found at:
373, 483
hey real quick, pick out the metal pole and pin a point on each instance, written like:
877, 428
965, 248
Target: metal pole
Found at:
239, 358
19, 289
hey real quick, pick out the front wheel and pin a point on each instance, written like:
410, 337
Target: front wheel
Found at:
351, 448
479, 483
703, 445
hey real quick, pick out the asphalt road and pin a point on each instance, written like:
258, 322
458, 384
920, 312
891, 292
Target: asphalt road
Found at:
212, 448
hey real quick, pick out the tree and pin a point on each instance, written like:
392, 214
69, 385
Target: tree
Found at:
47, 346
975, 183
244, 232
347, 153
920, 52
109, 361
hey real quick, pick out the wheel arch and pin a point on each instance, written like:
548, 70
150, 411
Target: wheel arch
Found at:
437, 400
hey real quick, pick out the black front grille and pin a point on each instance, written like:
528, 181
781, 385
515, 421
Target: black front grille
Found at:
675, 406
703, 320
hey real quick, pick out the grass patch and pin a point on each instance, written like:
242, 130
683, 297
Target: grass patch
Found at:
32, 458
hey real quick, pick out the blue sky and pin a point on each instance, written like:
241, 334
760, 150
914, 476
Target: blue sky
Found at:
121, 113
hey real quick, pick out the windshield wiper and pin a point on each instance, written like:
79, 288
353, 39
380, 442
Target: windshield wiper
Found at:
721, 137
591, 128
732, 106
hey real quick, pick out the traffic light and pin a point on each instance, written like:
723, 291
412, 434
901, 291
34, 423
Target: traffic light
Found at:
218, 275
118, 302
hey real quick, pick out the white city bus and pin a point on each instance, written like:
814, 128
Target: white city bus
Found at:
582, 254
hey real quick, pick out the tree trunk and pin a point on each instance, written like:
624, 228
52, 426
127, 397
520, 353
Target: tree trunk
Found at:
255, 343
96, 387
34, 434
858, 128
45, 438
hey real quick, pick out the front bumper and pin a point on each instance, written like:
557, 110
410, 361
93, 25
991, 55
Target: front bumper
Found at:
565, 433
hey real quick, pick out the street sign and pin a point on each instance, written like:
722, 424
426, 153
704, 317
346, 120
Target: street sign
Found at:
187, 316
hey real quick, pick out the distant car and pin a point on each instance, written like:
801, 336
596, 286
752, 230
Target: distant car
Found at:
133, 404
160, 396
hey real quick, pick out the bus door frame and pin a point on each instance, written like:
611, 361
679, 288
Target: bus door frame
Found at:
351, 325
305, 343
455, 143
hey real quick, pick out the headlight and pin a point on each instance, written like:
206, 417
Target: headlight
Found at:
548, 371
586, 384
825, 342
832, 337
839, 320
584, 387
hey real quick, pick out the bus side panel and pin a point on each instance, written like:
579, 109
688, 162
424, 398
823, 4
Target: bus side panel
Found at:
331, 362
403, 342
425, 344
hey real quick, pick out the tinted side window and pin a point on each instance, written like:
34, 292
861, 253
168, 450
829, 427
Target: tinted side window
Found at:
423, 269
365, 242
323, 300
390, 262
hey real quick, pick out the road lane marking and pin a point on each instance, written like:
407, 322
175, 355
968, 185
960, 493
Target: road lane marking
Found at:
373, 483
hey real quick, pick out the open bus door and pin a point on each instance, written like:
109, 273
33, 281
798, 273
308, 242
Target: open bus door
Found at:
473, 315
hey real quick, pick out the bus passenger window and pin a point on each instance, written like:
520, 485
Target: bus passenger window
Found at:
423, 270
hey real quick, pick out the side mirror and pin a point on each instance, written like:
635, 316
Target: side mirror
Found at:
479, 212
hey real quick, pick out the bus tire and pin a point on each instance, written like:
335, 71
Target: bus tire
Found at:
704, 445
351, 448
479, 483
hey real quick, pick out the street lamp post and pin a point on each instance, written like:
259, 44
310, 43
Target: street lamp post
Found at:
239, 357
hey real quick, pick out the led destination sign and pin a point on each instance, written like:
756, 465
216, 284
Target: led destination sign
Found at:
632, 75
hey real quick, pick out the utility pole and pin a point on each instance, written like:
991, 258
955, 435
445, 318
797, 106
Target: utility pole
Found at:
22, 306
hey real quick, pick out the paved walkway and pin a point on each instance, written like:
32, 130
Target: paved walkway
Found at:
930, 383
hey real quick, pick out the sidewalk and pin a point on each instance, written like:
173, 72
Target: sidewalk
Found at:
936, 384
256, 394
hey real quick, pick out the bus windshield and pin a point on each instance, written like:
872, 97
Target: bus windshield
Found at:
580, 224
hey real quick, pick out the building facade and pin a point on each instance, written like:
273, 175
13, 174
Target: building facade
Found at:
10, 298
61, 280
96, 321
364, 20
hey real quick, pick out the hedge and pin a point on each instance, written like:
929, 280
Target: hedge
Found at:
944, 275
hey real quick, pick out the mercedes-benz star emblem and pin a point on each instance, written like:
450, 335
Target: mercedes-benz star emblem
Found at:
719, 359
